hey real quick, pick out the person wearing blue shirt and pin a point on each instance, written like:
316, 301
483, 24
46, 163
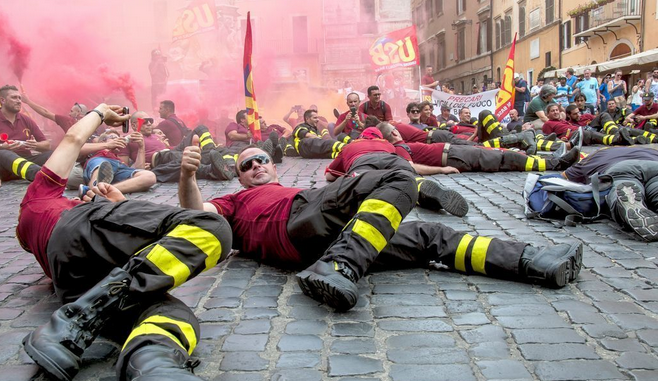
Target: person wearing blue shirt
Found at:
571, 80
589, 88
604, 92
563, 92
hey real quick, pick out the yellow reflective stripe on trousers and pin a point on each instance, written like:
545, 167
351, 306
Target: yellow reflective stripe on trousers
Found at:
296, 141
542, 165
419, 181
150, 329
487, 144
15, 164
479, 253
370, 233
492, 127
183, 326
204, 241
548, 145
24, 169
607, 139
529, 163
461, 251
497, 143
487, 120
382, 208
169, 264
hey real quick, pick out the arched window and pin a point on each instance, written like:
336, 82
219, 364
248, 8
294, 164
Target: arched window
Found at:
621, 50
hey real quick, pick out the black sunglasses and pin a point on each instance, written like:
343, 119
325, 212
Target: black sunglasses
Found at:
414, 111
246, 164
148, 120
77, 105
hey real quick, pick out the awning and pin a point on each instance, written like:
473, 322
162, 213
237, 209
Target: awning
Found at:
630, 62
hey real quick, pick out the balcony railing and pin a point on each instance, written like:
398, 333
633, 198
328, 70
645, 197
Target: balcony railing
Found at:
612, 11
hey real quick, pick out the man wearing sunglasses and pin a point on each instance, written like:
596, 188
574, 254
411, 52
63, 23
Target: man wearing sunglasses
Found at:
309, 143
340, 230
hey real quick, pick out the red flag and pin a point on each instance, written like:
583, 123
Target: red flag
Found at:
250, 97
506, 96
395, 49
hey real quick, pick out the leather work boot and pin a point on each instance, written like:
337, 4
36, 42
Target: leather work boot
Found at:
278, 154
563, 162
105, 173
158, 362
58, 345
527, 138
551, 137
331, 283
560, 151
552, 266
435, 197
576, 140
626, 203
220, 169
267, 146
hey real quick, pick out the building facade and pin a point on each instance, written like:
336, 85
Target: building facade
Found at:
455, 39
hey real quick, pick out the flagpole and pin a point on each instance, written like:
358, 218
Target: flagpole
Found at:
420, 90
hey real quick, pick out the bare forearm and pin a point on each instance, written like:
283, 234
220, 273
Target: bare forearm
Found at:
40, 110
43, 146
189, 195
140, 159
425, 170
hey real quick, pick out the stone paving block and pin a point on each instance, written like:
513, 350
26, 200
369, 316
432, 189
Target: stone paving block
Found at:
577, 370
309, 312
298, 360
421, 341
353, 329
548, 336
490, 350
613, 307
292, 343
504, 299
251, 327
403, 289
542, 321
261, 302
428, 356
483, 334
552, 352
409, 312
460, 295
353, 346
416, 325
473, 318
648, 336
637, 361
216, 315
600, 331
643, 295
405, 300
260, 313
459, 307
504, 369
222, 303
351, 365
243, 361
214, 331
645, 375
243, 343
522, 310
448, 372
299, 374
306, 327
630, 322
229, 376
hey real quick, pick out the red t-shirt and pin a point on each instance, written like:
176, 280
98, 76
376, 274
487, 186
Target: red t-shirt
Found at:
233, 126
39, 212
411, 133
272, 127
64, 121
171, 129
258, 217
462, 128
351, 125
360, 147
427, 154
152, 144
426, 80
560, 127
431, 121
644, 111
103, 153
383, 114
22, 129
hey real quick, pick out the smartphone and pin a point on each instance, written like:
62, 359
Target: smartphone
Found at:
353, 110
126, 127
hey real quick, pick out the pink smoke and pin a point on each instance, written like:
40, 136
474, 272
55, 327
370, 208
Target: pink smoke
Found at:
17, 51
122, 82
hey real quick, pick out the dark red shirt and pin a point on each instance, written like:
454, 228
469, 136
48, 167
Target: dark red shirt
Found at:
382, 113
40, 210
360, 147
644, 111
427, 154
351, 125
22, 129
259, 217
64, 121
427, 80
560, 127
411, 133
233, 126
172, 130
152, 144
103, 153
431, 121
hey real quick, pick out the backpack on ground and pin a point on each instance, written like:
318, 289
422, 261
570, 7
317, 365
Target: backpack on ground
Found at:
553, 197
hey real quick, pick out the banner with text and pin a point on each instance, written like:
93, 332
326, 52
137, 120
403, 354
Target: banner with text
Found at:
395, 50
476, 102
200, 16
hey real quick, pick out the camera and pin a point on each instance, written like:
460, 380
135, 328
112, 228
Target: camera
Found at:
353, 111
126, 127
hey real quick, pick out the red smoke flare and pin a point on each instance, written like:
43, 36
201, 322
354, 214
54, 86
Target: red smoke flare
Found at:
123, 82
19, 56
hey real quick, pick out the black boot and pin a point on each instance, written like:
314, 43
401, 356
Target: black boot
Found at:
267, 146
528, 142
433, 196
220, 168
551, 137
565, 161
331, 283
576, 140
58, 345
624, 138
552, 266
158, 362
626, 203
278, 155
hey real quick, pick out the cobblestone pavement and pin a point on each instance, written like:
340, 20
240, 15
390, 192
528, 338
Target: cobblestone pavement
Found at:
409, 325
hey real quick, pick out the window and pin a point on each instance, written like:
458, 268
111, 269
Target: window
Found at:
499, 74
441, 52
549, 11
508, 29
367, 24
547, 59
497, 34
429, 13
439, 6
432, 56
522, 21
566, 35
462, 42
300, 37
534, 19
581, 24
535, 49
484, 40
529, 77
461, 6
419, 16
